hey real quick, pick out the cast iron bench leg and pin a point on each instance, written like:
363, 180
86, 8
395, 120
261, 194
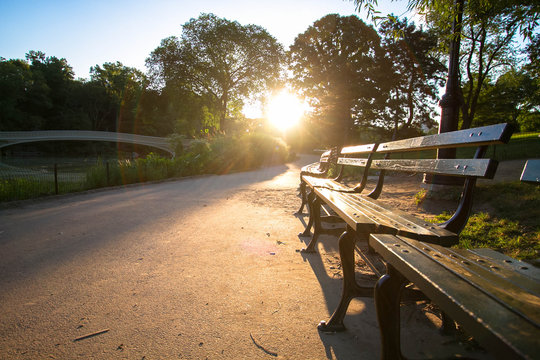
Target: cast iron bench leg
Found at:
314, 219
351, 289
309, 202
387, 300
302, 196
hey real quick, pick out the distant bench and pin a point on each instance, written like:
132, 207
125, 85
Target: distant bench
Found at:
364, 215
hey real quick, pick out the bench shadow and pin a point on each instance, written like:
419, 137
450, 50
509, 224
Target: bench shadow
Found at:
362, 335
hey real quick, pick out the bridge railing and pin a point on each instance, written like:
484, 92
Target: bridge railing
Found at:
8, 138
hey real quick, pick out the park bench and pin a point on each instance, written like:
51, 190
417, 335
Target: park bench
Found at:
365, 215
316, 174
492, 296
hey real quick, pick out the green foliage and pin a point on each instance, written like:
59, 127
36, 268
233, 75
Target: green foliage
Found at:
219, 60
414, 77
218, 156
338, 65
511, 225
16, 189
246, 152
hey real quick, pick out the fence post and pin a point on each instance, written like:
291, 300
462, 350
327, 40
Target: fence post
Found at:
56, 178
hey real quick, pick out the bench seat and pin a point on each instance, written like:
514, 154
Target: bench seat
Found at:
314, 169
493, 296
366, 215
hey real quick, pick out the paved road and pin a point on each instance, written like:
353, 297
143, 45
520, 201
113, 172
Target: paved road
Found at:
197, 268
181, 269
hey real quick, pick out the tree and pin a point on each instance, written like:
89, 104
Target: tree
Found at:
417, 73
124, 86
54, 80
218, 59
510, 99
35, 94
337, 65
485, 31
15, 83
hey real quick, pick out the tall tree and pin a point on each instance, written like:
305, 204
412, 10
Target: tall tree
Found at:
511, 99
57, 79
337, 65
15, 100
219, 59
417, 74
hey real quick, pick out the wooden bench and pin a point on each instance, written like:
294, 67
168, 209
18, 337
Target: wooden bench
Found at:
316, 169
310, 179
492, 296
365, 215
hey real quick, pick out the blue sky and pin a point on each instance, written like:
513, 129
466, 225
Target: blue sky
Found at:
89, 33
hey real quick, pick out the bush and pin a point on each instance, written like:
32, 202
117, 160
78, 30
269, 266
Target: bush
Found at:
219, 156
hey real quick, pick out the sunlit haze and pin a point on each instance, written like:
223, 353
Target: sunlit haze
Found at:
285, 110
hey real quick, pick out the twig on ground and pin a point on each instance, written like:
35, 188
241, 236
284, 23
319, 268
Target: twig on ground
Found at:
92, 334
261, 347
275, 311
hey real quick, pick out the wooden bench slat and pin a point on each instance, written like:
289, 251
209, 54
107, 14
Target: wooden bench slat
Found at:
492, 280
531, 171
362, 213
355, 219
506, 333
397, 219
325, 182
454, 167
352, 161
486, 135
510, 267
358, 149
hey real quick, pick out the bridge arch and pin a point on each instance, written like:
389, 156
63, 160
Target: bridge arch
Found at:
8, 138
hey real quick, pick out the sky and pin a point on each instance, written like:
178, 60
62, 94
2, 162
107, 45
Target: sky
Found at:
89, 33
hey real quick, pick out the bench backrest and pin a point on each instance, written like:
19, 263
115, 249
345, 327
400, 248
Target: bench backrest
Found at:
470, 168
477, 167
332, 156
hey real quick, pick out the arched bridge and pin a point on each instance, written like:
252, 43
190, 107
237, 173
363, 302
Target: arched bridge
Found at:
8, 138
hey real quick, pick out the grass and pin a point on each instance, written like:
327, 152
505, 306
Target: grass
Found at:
510, 225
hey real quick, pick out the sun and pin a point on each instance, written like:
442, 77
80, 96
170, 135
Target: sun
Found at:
284, 110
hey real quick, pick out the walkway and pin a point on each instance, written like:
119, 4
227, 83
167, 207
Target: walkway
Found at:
199, 268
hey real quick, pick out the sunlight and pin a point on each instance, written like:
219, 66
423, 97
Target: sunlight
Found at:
285, 110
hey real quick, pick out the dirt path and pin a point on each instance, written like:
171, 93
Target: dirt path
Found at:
192, 269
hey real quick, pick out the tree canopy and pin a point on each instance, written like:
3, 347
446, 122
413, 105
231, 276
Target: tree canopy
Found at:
488, 31
218, 59
337, 64
416, 75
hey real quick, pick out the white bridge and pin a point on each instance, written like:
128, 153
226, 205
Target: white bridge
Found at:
8, 138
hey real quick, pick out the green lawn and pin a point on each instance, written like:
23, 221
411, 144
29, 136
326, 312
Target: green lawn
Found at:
510, 226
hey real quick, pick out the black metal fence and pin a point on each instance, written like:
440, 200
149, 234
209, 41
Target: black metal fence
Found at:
17, 183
